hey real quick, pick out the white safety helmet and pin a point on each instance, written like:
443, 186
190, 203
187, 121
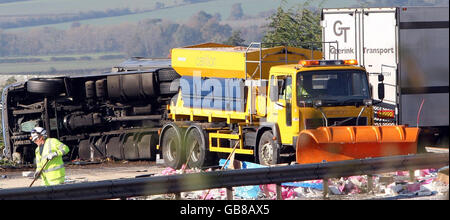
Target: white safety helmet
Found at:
37, 132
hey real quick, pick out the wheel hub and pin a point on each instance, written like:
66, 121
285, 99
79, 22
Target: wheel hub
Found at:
267, 153
172, 152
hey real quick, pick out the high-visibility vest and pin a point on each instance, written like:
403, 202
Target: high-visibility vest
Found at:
54, 172
288, 92
302, 91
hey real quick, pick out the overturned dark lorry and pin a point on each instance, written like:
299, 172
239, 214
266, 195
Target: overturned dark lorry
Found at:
115, 115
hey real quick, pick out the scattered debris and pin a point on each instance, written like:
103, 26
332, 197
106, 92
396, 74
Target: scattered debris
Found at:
141, 171
442, 175
145, 175
68, 180
159, 160
436, 150
28, 174
82, 163
426, 182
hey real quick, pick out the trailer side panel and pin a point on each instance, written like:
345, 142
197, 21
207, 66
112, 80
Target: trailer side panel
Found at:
424, 73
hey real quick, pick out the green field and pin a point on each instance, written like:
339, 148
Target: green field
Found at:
31, 68
36, 7
77, 56
47, 65
174, 11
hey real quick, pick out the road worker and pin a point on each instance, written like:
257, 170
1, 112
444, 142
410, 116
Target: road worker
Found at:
303, 85
51, 150
301, 90
288, 90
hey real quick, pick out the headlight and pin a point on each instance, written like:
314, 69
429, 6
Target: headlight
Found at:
367, 102
317, 103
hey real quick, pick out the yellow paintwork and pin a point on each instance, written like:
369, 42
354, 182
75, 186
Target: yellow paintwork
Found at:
295, 68
222, 61
218, 148
232, 62
277, 114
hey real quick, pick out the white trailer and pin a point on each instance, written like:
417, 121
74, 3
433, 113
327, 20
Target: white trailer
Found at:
409, 47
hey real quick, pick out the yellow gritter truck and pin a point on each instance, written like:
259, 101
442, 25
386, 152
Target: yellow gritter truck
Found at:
274, 104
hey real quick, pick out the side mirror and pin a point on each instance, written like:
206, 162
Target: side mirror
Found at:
381, 91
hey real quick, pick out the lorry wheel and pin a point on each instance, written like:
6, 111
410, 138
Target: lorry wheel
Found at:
167, 75
114, 148
50, 86
147, 146
172, 149
169, 88
84, 150
268, 152
196, 148
130, 150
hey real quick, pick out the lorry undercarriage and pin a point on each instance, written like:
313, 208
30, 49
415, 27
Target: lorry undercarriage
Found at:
113, 115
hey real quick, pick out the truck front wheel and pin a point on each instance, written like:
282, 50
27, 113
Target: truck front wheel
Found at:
268, 151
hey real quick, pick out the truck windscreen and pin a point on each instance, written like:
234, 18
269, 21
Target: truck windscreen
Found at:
345, 87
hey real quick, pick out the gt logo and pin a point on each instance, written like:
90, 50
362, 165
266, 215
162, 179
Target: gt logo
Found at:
338, 31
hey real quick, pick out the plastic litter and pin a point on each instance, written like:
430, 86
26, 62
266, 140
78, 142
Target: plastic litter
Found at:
388, 184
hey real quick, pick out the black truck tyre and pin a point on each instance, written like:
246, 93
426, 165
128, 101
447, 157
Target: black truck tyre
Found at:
84, 150
169, 88
114, 148
45, 86
197, 153
268, 151
147, 146
167, 75
173, 151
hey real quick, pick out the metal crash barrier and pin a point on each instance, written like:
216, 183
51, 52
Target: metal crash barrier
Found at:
123, 188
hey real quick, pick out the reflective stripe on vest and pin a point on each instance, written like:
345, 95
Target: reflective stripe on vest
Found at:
61, 148
53, 169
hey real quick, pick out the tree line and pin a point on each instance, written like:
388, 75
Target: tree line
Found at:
155, 37
150, 37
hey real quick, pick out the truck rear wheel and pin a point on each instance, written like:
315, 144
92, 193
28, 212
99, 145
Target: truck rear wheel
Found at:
172, 148
196, 148
268, 151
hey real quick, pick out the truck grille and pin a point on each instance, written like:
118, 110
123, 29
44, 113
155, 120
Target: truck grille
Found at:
318, 122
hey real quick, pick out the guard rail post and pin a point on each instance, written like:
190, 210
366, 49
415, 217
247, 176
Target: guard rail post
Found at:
230, 193
370, 183
279, 191
325, 188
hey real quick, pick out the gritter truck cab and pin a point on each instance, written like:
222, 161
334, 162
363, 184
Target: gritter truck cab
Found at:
273, 104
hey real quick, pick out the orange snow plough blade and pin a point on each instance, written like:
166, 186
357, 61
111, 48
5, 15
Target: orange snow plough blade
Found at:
355, 142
